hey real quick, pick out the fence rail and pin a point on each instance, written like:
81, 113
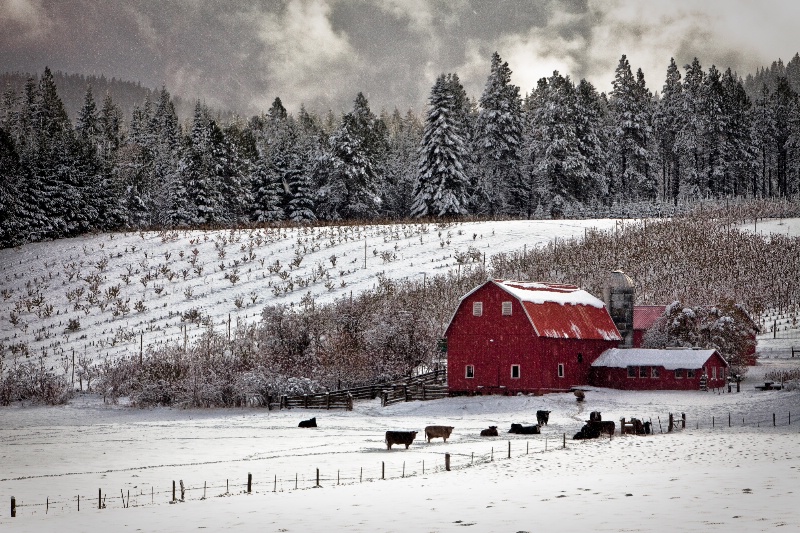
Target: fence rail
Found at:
428, 386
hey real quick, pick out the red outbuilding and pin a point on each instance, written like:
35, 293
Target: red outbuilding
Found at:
670, 369
514, 336
644, 316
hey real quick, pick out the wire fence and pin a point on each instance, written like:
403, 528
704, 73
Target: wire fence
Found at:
264, 483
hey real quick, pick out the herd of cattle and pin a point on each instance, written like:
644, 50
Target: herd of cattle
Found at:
594, 428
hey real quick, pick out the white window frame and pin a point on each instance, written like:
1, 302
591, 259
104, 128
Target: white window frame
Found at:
469, 372
506, 308
632, 372
477, 308
691, 373
678, 373
515, 367
654, 372
561, 370
713, 372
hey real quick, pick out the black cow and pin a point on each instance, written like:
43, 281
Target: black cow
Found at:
594, 416
400, 437
310, 423
542, 417
519, 429
491, 432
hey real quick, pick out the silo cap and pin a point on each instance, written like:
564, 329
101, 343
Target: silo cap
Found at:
618, 279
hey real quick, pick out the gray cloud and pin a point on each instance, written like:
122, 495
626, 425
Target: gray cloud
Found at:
321, 53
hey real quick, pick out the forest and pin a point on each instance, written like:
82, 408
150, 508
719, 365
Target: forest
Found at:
561, 150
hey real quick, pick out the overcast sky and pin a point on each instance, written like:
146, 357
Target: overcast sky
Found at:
240, 55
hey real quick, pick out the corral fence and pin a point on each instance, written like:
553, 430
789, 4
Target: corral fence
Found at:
427, 386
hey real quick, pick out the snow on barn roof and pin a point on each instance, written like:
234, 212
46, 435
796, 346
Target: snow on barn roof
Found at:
562, 311
645, 316
669, 359
539, 293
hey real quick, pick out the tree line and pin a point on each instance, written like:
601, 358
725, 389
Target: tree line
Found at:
561, 148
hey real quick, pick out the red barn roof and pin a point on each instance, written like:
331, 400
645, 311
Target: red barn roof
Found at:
561, 311
645, 315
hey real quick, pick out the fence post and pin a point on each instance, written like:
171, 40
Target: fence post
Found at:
405, 392
173, 490
509, 449
317, 477
183, 491
447, 462
671, 423
249, 483
565, 441
13, 507
100, 498
79, 503
383, 470
773, 419
328, 401
305, 401
683, 420
729, 420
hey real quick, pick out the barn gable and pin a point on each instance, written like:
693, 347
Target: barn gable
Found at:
557, 311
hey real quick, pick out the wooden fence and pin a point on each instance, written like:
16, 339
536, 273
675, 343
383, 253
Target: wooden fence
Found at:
429, 386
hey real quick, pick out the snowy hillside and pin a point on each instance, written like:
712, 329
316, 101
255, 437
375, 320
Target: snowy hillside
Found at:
114, 294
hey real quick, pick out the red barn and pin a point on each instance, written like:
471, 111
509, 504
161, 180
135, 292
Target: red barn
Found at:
513, 336
671, 369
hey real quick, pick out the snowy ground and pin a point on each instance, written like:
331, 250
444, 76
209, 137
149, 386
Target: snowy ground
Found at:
739, 478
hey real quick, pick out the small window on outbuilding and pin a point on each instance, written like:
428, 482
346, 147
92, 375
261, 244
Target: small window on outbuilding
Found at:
678, 373
631, 371
506, 309
690, 373
642, 371
477, 308
470, 372
713, 372
580, 357
561, 370
514, 371
654, 373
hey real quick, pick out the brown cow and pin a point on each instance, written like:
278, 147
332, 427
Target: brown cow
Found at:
433, 432
400, 437
491, 432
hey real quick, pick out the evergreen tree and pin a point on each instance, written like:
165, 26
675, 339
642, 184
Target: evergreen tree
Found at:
666, 123
441, 187
629, 106
498, 139
689, 142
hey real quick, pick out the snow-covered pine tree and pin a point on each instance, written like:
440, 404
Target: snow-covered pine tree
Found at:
441, 186
690, 140
666, 123
629, 106
739, 157
405, 135
498, 139
763, 135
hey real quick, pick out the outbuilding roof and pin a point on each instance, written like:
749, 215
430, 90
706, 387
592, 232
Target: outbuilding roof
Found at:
669, 359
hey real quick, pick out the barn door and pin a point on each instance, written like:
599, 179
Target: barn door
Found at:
495, 365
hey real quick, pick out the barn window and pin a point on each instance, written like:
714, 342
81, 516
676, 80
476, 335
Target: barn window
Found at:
580, 357
561, 370
654, 372
631, 371
506, 308
713, 372
470, 372
690, 373
515, 371
642, 371
678, 373
477, 308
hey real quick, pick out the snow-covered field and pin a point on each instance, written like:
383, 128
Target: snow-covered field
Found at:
129, 290
739, 478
